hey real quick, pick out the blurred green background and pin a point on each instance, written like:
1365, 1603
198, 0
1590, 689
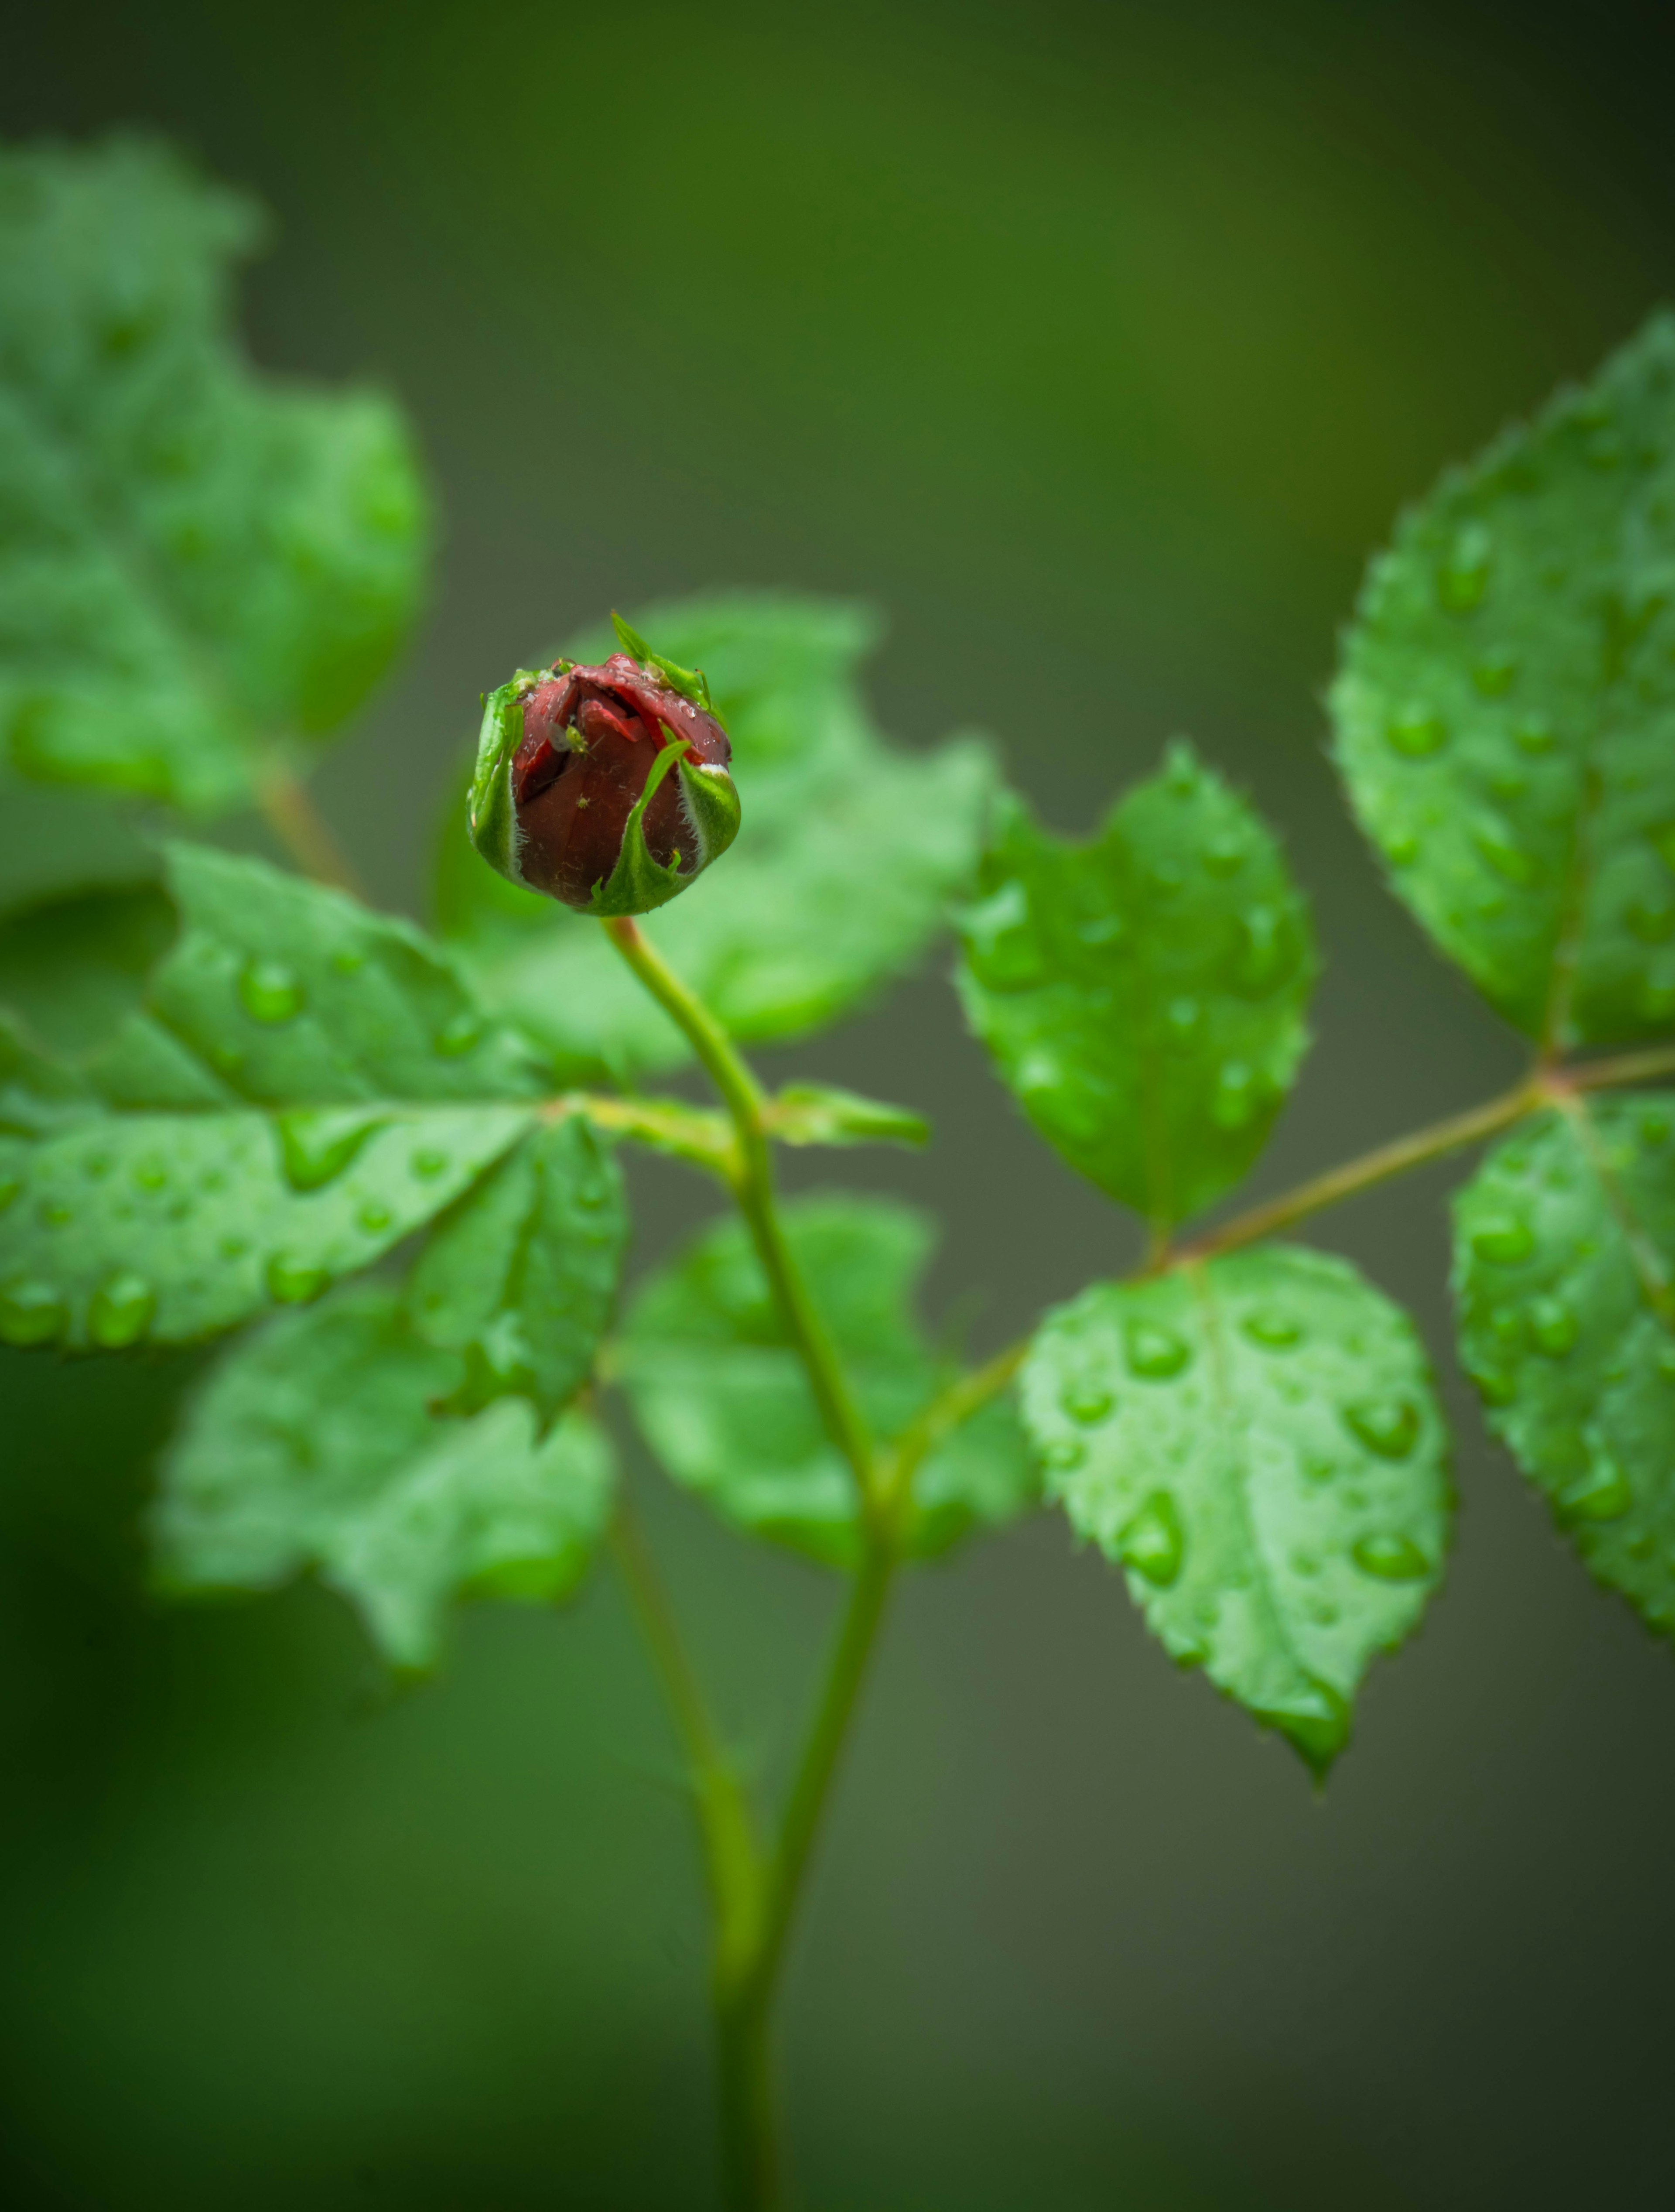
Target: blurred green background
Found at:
1099, 345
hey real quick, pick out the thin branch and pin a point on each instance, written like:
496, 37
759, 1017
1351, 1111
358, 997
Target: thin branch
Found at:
303, 830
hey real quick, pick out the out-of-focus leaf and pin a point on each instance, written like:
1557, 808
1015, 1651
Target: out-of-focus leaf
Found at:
313, 1445
1258, 1442
307, 1083
196, 561
1145, 993
1506, 708
521, 1279
838, 878
73, 968
1564, 1269
722, 1398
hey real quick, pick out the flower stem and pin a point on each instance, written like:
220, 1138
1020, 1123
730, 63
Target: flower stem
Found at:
303, 830
753, 1187
751, 1939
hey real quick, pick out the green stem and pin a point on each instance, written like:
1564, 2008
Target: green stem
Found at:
753, 1186
304, 831
732, 1855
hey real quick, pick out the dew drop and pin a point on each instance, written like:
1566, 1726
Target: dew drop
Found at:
997, 936
1463, 577
1065, 1454
1531, 735
1306, 1563
460, 1035
1416, 732
269, 992
317, 1143
1152, 1543
292, 1282
1387, 1426
1509, 860
1086, 1403
1182, 772
1262, 951
1236, 1100
427, 1164
1183, 1018
31, 1312
9, 1186
1602, 1493
233, 1248
151, 1173
1156, 1354
1315, 1720
1552, 1327
1390, 1559
1503, 1239
1402, 849
1652, 919
373, 1216
1223, 853
1273, 1330
97, 1166
1496, 1385
1323, 1613
121, 1311
1495, 675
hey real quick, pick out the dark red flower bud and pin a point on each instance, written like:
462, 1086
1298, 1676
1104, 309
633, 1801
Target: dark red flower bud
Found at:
607, 787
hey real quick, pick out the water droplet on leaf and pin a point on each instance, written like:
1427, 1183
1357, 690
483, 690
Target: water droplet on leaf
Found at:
1602, 1493
293, 1282
269, 992
1552, 1327
1503, 1240
460, 1035
1156, 1354
428, 1163
121, 1311
1509, 860
1416, 732
1087, 1402
1463, 577
1387, 1426
31, 1312
1390, 1559
1152, 1543
317, 1143
1494, 674
1270, 1328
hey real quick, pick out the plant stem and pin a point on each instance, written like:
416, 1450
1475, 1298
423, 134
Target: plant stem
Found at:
730, 1852
303, 830
753, 1189
750, 1954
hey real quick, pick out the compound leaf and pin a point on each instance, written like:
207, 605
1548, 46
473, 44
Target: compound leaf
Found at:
1564, 1270
838, 878
1258, 1442
1144, 994
196, 561
722, 1398
1505, 709
314, 1444
521, 1279
307, 1083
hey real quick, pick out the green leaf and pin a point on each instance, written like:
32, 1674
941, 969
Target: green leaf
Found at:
1506, 708
817, 1114
74, 968
307, 1083
1564, 1270
1258, 1442
1144, 995
55, 843
196, 561
838, 880
722, 1398
521, 1278
313, 1445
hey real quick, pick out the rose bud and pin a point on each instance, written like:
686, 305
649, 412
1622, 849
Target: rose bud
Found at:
607, 788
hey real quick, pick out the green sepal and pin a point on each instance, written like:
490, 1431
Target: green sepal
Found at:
816, 1113
492, 816
691, 682
639, 882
